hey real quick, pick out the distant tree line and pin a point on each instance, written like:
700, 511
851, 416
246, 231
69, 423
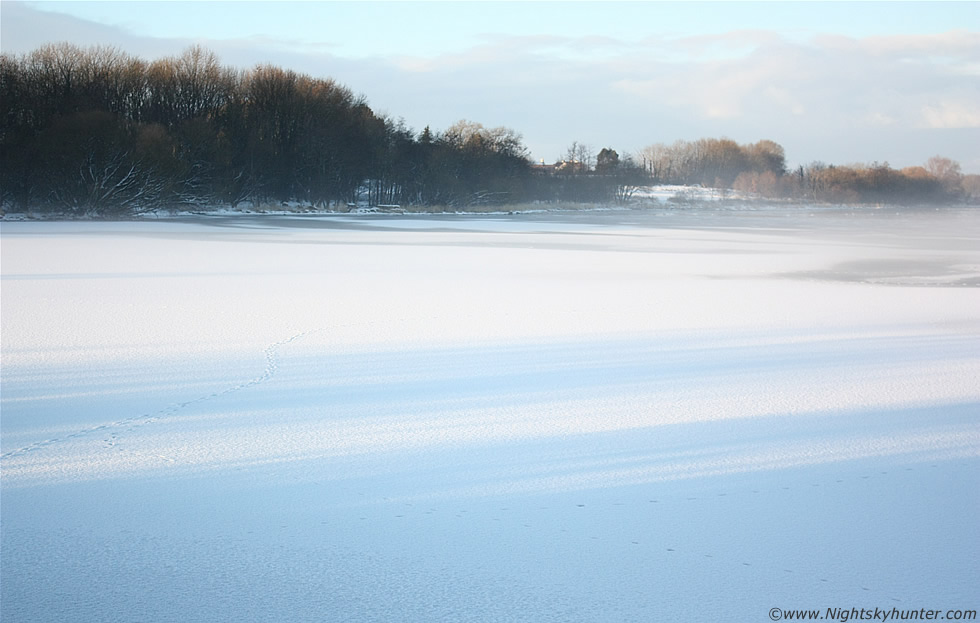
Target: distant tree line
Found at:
939, 181
760, 169
712, 162
95, 131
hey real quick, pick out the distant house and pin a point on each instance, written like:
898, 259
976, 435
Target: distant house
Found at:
562, 167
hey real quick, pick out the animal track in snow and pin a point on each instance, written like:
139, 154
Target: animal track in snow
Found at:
270, 352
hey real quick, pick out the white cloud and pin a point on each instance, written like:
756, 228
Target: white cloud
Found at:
955, 44
952, 114
785, 99
878, 118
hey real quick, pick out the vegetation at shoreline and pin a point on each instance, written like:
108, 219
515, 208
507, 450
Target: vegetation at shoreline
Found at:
97, 132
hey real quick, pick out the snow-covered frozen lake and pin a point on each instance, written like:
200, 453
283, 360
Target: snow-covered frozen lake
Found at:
599, 416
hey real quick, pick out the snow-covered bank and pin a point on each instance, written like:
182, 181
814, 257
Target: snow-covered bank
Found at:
645, 198
611, 416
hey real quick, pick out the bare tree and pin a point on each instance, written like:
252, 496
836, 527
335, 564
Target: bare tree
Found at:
580, 154
971, 187
947, 172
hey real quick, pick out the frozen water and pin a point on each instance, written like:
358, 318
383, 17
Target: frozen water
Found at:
605, 416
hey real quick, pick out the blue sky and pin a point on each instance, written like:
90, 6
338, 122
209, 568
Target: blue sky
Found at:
838, 82
365, 29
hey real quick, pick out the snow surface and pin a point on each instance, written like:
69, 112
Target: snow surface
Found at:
691, 415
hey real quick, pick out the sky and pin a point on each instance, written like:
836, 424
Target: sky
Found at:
836, 82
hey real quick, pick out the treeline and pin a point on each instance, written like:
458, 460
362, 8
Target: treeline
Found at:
760, 169
939, 181
97, 131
